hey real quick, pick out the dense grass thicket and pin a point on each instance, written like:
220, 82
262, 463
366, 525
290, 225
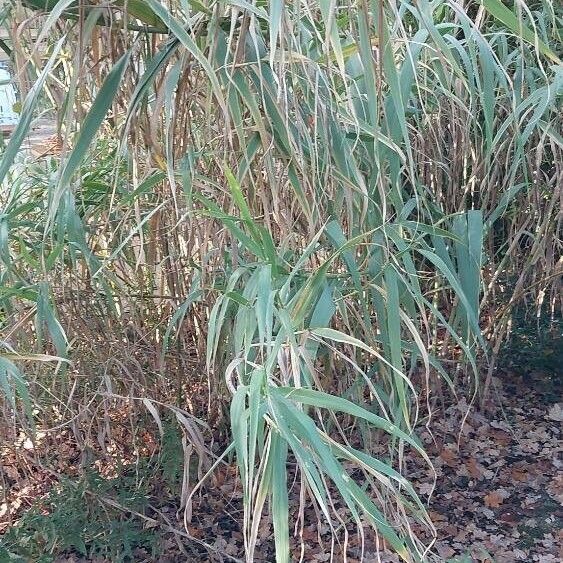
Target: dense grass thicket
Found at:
291, 227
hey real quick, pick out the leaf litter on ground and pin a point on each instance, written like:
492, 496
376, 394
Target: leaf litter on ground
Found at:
498, 496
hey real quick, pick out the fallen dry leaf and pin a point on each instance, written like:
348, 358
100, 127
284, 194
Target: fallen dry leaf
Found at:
474, 469
494, 499
449, 457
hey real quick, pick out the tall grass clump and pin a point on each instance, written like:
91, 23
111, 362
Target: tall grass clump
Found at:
316, 205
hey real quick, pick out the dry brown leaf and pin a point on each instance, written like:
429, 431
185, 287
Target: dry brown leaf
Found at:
449, 457
494, 499
519, 474
476, 470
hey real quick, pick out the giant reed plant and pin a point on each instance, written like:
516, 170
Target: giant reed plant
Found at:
333, 195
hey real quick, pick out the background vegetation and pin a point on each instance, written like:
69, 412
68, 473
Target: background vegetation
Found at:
291, 227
